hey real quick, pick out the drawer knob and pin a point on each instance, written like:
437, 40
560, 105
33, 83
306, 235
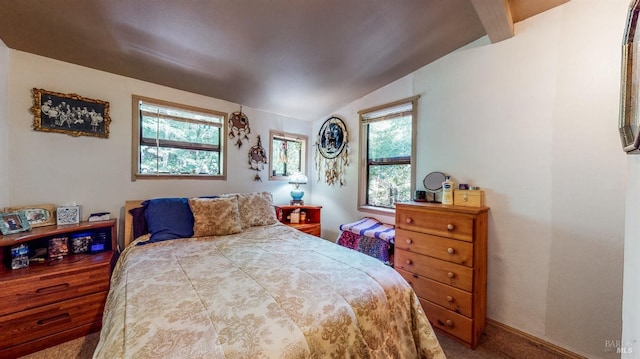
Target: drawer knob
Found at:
451, 250
449, 323
409, 262
409, 220
450, 227
449, 299
409, 241
451, 275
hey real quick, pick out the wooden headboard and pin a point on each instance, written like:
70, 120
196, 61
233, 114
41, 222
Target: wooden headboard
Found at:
128, 220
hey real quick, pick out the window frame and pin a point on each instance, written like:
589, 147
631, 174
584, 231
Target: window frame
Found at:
137, 141
364, 146
273, 134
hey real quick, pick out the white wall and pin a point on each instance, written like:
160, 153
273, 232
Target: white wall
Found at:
631, 297
533, 121
4, 130
95, 172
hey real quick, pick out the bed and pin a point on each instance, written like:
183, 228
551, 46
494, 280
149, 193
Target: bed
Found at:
252, 288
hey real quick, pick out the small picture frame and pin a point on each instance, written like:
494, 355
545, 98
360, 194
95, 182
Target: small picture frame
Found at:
80, 242
38, 215
58, 247
14, 222
68, 215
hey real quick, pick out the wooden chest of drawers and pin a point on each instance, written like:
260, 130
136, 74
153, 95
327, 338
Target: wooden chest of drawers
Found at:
49, 303
442, 252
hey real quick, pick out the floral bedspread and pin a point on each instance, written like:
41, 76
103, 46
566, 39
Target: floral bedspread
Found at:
268, 292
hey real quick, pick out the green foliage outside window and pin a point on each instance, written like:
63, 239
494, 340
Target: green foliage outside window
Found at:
178, 141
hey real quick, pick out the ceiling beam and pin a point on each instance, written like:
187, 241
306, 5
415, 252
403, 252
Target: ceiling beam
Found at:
496, 18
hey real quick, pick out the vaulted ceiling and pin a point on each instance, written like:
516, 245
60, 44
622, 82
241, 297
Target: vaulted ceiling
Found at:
301, 59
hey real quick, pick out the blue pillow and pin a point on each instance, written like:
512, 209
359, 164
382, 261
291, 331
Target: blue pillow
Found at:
139, 223
168, 218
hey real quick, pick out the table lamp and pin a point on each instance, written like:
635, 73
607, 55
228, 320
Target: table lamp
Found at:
296, 194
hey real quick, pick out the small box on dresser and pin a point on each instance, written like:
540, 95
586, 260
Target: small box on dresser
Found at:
441, 250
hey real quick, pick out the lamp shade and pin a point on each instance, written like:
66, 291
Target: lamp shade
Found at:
298, 178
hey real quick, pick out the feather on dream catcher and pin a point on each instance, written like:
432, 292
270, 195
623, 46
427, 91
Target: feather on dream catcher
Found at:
333, 150
257, 159
239, 127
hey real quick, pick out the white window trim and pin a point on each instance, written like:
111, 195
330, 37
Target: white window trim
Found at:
362, 160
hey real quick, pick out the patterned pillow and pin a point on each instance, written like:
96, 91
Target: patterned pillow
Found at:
215, 216
256, 208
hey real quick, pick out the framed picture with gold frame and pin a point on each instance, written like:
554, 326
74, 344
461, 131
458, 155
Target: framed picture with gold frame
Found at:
629, 121
38, 215
70, 114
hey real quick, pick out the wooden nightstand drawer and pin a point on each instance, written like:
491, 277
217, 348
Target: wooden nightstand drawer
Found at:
448, 321
53, 286
449, 297
442, 271
50, 319
446, 225
450, 250
313, 229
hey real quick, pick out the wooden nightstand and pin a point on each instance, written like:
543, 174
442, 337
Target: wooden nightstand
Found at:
311, 223
57, 300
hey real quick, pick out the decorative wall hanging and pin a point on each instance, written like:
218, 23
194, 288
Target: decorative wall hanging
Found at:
239, 127
333, 147
70, 114
257, 159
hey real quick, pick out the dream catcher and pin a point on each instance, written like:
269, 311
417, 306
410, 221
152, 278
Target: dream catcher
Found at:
332, 145
239, 127
257, 159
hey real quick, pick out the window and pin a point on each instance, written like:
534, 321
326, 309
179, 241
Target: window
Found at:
288, 155
177, 141
387, 148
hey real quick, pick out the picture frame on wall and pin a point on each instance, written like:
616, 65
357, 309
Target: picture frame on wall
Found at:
37, 215
629, 122
13, 222
70, 114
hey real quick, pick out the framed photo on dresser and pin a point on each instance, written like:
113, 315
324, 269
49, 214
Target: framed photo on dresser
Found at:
13, 222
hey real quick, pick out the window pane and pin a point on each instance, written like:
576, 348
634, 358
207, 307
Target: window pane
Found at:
190, 132
389, 184
178, 161
390, 138
286, 157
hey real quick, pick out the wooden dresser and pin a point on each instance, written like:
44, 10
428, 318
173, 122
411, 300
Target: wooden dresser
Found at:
58, 300
441, 251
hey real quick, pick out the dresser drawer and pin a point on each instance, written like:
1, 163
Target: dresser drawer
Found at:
456, 226
448, 321
30, 292
50, 319
451, 250
442, 271
449, 297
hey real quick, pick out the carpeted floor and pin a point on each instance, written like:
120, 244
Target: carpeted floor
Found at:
495, 343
